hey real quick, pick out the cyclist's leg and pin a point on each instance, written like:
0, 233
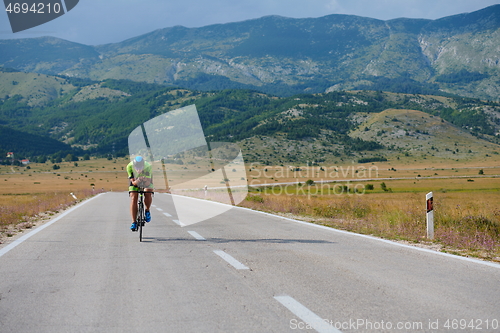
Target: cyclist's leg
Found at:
134, 195
148, 200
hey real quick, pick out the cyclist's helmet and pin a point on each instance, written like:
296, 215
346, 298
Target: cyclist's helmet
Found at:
138, 163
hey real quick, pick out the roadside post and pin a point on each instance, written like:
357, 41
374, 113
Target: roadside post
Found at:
430, 215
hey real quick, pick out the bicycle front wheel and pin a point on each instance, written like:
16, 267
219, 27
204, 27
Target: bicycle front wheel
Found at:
140, 218
140, 231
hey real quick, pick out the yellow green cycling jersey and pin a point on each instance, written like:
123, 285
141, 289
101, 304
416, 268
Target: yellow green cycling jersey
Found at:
147, 172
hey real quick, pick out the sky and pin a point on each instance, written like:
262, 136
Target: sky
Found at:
95, 22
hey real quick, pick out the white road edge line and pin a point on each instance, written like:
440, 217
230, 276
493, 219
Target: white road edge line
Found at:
477, 261
228, 258
159, 209
167, 214
196, 235
306, 315
37, 230
179, 223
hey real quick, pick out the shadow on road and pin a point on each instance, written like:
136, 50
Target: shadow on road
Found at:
223, 240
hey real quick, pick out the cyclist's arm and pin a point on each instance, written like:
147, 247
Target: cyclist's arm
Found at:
142, 181
147, 175
145, 179
131, 176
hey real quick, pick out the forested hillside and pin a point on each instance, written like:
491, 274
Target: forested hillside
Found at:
100, 121
30, 145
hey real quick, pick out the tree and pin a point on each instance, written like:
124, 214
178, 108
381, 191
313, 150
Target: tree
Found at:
71, 158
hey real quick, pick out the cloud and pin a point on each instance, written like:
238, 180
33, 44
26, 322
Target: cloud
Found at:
333, 6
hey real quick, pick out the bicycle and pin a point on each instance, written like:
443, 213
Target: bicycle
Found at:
141, 213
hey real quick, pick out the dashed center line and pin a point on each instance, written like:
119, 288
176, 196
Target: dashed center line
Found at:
306, 315
196, 235
233, 262
299, 310
179, 223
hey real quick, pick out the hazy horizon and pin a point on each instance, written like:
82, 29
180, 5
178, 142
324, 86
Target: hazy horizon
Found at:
94, 22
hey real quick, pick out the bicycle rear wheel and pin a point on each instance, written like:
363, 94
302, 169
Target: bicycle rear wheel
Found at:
140, 217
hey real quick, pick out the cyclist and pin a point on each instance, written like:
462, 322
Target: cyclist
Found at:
140, 175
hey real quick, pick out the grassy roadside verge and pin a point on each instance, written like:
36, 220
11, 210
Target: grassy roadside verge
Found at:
465, 224
24, 211
32, 194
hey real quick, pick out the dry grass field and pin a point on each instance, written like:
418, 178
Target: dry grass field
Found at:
42, 178
465, 223
31, 194
388, 200
382, 199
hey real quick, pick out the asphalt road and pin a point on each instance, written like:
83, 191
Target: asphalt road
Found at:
241, 271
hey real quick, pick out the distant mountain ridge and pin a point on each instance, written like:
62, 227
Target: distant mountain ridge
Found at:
285, 56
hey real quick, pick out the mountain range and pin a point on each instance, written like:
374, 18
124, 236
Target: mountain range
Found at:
287, 90
283, 56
